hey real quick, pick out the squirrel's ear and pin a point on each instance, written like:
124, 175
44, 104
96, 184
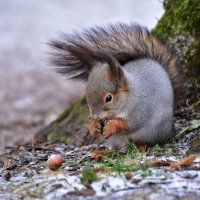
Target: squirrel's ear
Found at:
116, 73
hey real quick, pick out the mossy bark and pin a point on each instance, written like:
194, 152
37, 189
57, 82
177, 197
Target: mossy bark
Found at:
179, 28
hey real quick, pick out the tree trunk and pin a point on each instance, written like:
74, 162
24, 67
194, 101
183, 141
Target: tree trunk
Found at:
179, 28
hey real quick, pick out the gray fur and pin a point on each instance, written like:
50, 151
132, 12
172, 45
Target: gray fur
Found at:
149, 110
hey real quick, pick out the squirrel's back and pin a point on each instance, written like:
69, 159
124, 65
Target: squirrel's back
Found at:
124, 42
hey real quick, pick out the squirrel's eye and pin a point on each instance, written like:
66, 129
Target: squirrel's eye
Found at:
108, 98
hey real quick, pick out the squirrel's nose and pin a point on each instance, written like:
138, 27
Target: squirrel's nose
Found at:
94, 116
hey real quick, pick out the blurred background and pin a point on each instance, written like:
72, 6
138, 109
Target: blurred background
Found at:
31, 93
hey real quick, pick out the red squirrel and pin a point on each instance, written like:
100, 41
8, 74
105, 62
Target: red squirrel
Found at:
132, 79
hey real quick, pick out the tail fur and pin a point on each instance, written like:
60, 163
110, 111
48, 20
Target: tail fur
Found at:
124, 42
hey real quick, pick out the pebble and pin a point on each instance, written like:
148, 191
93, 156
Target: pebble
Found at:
60, 149
42, 156
28, 158
76, 149
71, 147
86, 158
30, 173
89, 147
7, 175
72, 167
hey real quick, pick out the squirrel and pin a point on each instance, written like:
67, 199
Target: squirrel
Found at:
133, 81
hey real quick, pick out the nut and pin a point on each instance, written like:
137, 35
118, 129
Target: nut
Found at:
102, 123
54, 162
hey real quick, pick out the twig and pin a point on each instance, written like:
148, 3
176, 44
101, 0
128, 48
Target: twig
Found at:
39, 148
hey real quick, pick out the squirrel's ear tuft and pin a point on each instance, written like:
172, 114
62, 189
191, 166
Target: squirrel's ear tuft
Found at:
115, 70
71, 59
116, 73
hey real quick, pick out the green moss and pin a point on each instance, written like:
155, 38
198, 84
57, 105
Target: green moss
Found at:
65, 128
74, 106
88, 176
181, 16
158, 150
60, 138
179, 28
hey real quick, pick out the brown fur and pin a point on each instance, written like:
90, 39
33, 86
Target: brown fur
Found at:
114, 126
124, 89
103, 94
95, 127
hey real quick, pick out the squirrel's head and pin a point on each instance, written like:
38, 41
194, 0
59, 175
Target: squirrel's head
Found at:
107, 86
107, 89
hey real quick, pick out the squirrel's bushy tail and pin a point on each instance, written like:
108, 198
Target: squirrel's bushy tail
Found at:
124, 42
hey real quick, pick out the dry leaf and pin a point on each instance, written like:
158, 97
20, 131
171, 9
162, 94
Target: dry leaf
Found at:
128, 176
7, 176
129, 161
100, 169
136, 181
7, 164
158, 163
142, 147
99, 153
185, 161
83, 192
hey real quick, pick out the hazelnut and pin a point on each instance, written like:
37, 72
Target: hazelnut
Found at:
54, 162
102, 123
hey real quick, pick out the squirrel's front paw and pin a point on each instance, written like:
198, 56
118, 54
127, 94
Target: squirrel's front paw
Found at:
109, 129
95, 127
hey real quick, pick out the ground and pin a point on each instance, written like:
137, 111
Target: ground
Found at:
150, 174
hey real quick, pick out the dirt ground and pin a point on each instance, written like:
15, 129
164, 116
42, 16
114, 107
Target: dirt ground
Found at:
31, 94
171, 172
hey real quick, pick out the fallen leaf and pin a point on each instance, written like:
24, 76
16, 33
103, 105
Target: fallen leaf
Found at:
194, 124
142, 147
159, 163
136, 181
101, 169
187, 175
7, 176
129, 161
7, 164
84, 192
185, 161
128, 176
99, 153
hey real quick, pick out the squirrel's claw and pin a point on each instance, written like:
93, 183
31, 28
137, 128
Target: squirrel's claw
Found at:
109, 129
95, 127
